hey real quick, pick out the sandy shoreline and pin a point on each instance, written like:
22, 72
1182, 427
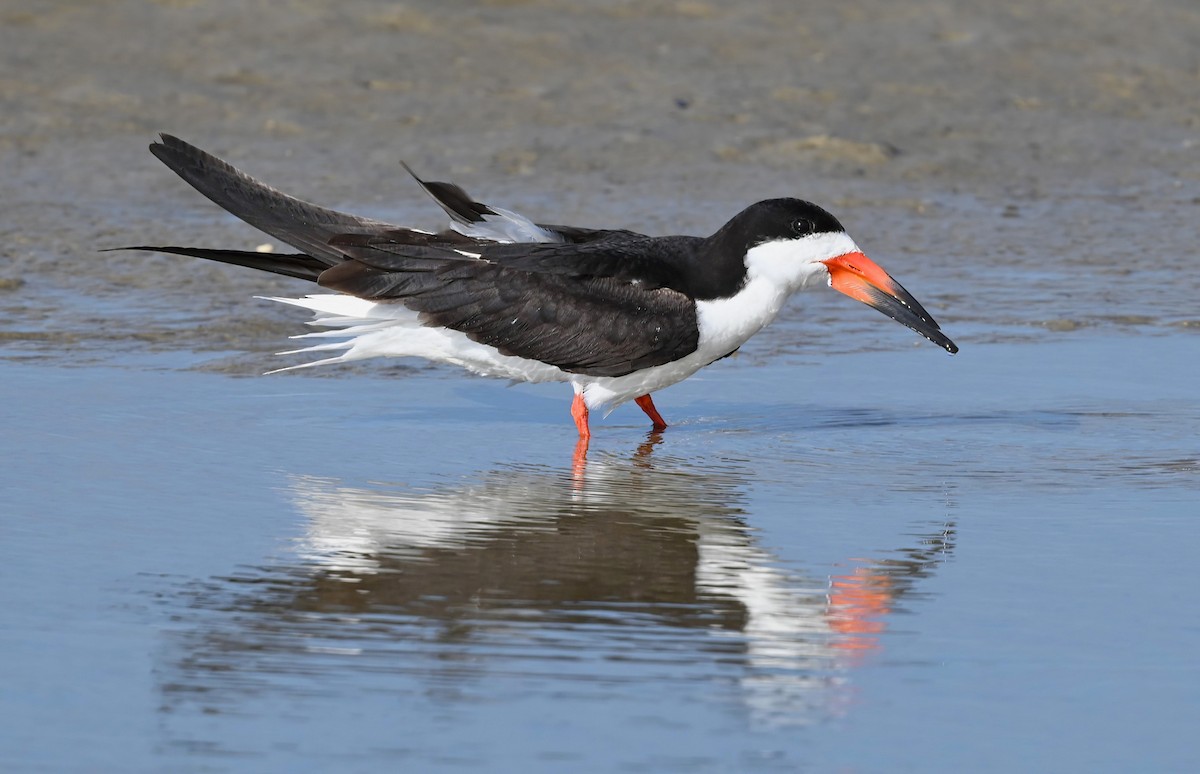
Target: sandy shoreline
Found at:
988, 157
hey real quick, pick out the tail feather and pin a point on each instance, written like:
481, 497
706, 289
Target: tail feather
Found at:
298, 366
318, 347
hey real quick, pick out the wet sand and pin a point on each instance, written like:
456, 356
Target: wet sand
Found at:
850, 550
990, 158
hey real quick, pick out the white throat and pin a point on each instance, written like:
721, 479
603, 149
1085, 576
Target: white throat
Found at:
774, 271
795, 264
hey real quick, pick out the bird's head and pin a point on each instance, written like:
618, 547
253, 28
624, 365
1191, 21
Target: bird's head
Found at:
797, 244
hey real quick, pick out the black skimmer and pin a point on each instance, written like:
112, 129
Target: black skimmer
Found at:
615, 313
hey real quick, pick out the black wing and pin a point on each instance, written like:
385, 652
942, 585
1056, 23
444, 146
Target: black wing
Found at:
456, 202
594, 301
651, 262
578, 321
309, 227
296, 265
304, 226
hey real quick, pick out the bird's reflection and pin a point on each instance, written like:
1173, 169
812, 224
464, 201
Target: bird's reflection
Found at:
646, 560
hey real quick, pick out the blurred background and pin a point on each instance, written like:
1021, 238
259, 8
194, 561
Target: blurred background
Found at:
1011, 146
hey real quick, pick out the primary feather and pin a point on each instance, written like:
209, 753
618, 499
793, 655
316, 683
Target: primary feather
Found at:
581, 301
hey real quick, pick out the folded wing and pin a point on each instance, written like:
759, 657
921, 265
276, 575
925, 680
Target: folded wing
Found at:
585, 300
575, 318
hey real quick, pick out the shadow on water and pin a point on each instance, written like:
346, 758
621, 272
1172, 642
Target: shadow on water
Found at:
624, 574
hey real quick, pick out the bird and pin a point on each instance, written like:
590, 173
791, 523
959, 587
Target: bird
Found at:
615, 313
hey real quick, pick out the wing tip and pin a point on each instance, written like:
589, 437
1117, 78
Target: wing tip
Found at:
168, 141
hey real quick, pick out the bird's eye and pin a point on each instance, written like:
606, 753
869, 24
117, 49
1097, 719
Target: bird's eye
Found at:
802, 226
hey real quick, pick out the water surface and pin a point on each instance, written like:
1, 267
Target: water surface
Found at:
303, 574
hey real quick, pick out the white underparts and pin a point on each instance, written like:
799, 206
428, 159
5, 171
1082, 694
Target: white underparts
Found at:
361, 329
357, 329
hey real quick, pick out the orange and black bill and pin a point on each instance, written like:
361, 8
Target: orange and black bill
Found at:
862, 279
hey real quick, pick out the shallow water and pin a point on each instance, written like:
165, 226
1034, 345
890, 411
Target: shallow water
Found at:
207, 573
849, 552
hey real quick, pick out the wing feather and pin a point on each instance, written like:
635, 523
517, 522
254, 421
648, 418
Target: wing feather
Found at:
595, 325
304, 226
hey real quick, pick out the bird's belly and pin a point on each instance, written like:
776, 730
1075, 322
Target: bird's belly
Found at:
366, 329
444, 345
611, 391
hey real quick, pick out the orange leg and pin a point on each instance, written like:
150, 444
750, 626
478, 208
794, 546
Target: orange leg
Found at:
579, 411
647, 405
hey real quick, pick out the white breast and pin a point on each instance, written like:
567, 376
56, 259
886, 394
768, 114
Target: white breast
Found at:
774, 271
724, 325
